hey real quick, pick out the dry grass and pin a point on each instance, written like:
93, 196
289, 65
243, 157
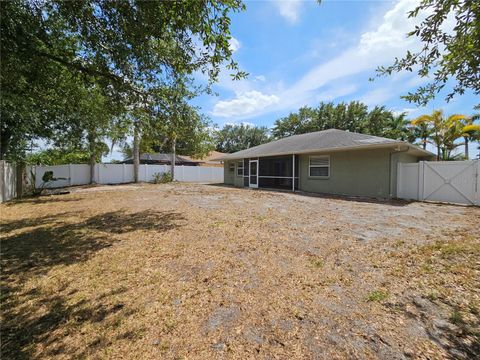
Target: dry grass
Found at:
196, 271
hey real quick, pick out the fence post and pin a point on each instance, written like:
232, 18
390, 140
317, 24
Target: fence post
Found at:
70, 174
100, 174
146, 172
2, 180
477, 183
399, 179
421, 180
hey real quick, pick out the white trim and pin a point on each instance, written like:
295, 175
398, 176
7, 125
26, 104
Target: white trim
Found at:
276, 177
237, 168
318, 166
293, 172
250, 173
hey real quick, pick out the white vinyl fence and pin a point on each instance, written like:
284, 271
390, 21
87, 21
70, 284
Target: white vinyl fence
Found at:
8, 181
445, 181
79, 174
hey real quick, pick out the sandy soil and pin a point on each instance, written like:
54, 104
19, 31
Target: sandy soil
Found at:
188, 271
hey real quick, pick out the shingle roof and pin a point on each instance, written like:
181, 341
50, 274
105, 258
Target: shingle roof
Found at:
211, 156
331, 139
162, 157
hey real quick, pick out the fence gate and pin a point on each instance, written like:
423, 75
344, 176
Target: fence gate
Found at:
445, 181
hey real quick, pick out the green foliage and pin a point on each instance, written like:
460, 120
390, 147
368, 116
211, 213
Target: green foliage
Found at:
232, 138
57, 157
444, 132
62, 156
456, 318
62, 60
166, 120
353, 116
377, 295
162, 178
446, 53
317, 263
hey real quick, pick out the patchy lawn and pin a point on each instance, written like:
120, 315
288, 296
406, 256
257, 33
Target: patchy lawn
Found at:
184, 271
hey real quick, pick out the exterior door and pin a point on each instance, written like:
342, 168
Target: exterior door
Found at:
253, 174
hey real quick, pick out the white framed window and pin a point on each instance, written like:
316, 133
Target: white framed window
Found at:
319, 166
240, 168
231, 166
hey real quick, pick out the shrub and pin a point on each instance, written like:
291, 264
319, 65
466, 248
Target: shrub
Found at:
162, 178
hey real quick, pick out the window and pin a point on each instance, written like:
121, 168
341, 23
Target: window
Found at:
240, 168
231, 167
319, 166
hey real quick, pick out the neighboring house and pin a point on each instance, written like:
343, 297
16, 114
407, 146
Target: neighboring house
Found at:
209, 159
331, 161
162, 159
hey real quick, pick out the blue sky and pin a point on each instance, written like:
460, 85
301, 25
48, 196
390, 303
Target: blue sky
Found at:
300, 53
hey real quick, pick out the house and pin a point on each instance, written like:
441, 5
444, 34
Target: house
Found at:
208, 160
162, 159
330, 161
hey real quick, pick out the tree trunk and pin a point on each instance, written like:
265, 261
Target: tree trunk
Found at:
4, 143
136, 153
424, 143
93, 160
92, 168
466, 148
172, 163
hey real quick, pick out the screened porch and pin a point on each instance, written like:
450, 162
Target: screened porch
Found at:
274, 172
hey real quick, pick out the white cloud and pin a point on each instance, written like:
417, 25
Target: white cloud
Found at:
377, 46
374, 48
260, 78
289, 9
245, 103
408, 111
336, 92
234, 44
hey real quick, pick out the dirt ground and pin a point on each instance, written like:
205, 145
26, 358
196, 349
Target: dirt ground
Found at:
189, 271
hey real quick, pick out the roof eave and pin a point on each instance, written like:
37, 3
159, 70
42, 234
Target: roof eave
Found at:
332, 149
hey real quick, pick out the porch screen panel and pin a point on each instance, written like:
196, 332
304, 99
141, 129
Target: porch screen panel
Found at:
276, 172
246, 172
279, 166
276, 183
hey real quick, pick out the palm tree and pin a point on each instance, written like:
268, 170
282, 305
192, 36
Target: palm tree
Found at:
397, 127
444, 131
471, 131
422, 131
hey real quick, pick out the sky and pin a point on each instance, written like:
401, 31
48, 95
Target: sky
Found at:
301, 53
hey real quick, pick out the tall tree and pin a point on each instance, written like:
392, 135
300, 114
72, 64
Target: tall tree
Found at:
353, 116
129, 48
446, 54
232, 138
470, 131
444, 131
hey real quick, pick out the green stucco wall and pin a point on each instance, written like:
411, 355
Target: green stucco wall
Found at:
371, 173
357, 173
230, 177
